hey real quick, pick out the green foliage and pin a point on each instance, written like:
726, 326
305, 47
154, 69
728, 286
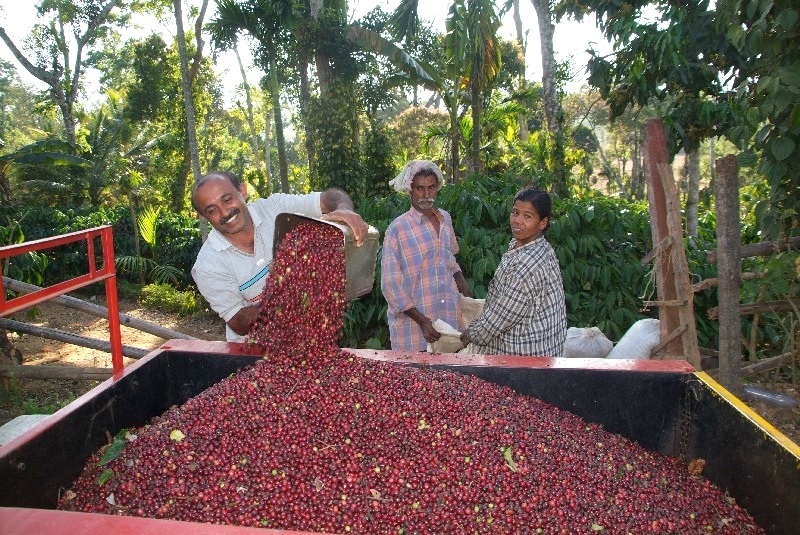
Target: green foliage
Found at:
725, 68
378, 165
406, 131
335, 127
28, 267
599, 242
166, 298
180, 232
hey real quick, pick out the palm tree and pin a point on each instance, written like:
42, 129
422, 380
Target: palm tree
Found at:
264, 21
472, 63
485, 62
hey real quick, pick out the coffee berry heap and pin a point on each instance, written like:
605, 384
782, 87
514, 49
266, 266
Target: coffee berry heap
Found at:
313, 439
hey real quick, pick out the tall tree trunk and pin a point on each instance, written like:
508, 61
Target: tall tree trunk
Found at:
712, 171
321, 59
250, 119
477, 112
692, 191
305, 102
6, 198
522, 119
455, 132
188, 105
268, 150
552, 105
283, 165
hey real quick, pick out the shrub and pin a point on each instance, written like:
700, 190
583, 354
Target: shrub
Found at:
167, 299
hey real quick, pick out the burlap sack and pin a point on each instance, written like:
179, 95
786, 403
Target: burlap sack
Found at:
588, 342
638, 342
471, 308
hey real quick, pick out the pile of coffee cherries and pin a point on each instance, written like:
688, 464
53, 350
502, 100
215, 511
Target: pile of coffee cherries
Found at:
313, 439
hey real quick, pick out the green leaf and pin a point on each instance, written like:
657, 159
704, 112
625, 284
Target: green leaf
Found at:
114, 449
782, 147
105, 476
753, 117
148, 222
746, 158
790, 75
45, 158
787, 19
509, 458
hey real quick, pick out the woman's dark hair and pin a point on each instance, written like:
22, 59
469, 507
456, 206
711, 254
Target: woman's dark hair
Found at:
540, 200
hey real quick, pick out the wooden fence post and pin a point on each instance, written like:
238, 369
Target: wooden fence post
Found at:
675, 297
729, 244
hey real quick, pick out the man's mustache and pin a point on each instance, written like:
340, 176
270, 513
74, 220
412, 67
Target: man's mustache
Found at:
230, 216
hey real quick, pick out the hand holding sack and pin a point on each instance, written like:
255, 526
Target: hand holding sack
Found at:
450, 341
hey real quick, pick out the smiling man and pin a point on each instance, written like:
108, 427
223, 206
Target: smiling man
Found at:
232, 266
420, 277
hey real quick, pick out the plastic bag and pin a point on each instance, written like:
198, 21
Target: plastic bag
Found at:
638, 342
449, 342
588, 342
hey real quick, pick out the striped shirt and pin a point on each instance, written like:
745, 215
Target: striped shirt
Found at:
525, 312
417, 268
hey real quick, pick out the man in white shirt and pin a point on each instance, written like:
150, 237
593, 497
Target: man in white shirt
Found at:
232, 265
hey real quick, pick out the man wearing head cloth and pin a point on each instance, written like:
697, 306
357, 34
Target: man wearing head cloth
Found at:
420, 277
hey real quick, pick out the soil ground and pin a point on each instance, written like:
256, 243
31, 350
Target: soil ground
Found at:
31, 396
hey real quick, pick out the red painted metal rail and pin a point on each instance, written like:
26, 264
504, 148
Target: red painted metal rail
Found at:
107, 273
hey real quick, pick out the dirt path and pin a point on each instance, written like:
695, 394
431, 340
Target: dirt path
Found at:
28, 396
25, 396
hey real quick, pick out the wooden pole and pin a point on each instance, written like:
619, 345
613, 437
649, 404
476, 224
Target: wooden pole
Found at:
71, 373
675, 299
729, 244
680, 267
764, 248
100, 312
655, 155
76, 339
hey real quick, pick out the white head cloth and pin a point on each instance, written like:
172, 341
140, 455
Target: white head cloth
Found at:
402, 182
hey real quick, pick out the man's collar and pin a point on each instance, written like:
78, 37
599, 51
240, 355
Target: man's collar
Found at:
419, 216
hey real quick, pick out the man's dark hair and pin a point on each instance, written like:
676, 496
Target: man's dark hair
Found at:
540, 200
235, 180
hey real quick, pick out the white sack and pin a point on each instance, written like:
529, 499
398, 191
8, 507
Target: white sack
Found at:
638, 342
589, 342
449, 342
471, 349
471, 308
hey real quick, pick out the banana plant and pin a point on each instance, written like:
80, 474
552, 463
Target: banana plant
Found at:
147, 221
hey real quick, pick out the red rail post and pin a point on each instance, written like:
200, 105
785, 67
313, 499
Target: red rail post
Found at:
107, 273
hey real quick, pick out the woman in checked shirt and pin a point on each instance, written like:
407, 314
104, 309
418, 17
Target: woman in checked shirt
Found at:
525, 312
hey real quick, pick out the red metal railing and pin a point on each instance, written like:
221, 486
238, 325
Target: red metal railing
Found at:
106, 273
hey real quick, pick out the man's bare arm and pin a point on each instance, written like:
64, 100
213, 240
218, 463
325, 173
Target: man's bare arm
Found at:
240, 322
337, 206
